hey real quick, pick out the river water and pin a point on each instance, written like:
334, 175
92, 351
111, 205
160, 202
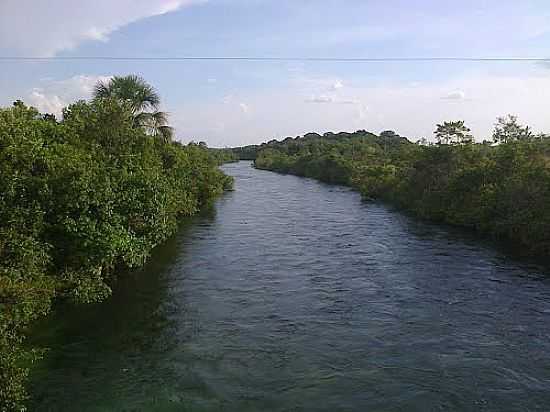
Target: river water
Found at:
292, 295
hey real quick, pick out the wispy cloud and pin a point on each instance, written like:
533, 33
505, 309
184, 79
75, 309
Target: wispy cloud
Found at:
411, 111
337, 85
244, 107
320, 99
46, 103
455, 95
44, 28
331, 99
53, 95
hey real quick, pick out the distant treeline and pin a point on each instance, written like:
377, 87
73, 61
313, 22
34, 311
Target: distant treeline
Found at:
247, 152
222, 156
500, 187
233, 154
81, 198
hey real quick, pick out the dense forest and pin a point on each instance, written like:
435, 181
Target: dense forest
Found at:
500, 187
81, 198
222, 156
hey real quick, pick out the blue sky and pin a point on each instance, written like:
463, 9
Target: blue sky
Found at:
234, 103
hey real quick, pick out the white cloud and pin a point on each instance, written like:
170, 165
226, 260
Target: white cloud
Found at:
46, 103
97, 34
323, 90
169, 6
363, 111
320, 99
323, 98
316, 84
411, 111
54, 95
348, 101
244, 107
455, 95
337, 85
44, 28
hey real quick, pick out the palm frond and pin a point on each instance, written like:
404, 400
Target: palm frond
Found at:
143, 119
142, 99
160, 118
166, 133
132, 89
102, 90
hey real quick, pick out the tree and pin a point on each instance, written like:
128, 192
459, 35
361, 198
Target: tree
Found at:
453, 133
79, 199
507, 129
142, 99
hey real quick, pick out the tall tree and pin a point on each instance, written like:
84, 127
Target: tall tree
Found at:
453, 133
507, 129
142, 99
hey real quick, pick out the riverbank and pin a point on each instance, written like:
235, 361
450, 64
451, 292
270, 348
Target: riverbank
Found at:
82, 199
498, 191
293, 293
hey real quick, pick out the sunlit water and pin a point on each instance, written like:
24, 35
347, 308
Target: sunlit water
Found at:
293, 295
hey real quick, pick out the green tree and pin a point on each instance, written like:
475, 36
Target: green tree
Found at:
453, 133
142, 99
80, 199
507, 129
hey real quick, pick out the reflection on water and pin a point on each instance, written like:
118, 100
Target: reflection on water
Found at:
297, 296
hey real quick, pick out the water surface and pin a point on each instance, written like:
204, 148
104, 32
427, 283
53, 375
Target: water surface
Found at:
293, 295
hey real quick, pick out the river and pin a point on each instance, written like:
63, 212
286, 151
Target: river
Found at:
292, 295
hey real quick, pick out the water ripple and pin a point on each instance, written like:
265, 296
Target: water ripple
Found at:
298, 296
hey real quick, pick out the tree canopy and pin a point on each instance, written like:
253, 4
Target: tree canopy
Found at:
142, 100
453, 133
80, 199
507, 129
498, 190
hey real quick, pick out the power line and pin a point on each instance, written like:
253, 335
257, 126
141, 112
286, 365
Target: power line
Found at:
276, 59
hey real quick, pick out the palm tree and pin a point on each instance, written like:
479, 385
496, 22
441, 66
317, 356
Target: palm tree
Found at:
143, 101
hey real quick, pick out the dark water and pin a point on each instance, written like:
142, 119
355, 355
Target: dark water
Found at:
296, 296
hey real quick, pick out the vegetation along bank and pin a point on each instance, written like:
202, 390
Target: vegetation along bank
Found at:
499, 188
80, 199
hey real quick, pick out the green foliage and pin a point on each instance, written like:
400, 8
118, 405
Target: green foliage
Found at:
332, 158
246, 152
222, 156
453, 133
79, 199
501, 190
142, 100
507, 129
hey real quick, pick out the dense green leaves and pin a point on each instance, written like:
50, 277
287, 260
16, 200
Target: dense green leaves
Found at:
501, 190
222, 156
78, 199
507, 129
142, 100
453, 133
